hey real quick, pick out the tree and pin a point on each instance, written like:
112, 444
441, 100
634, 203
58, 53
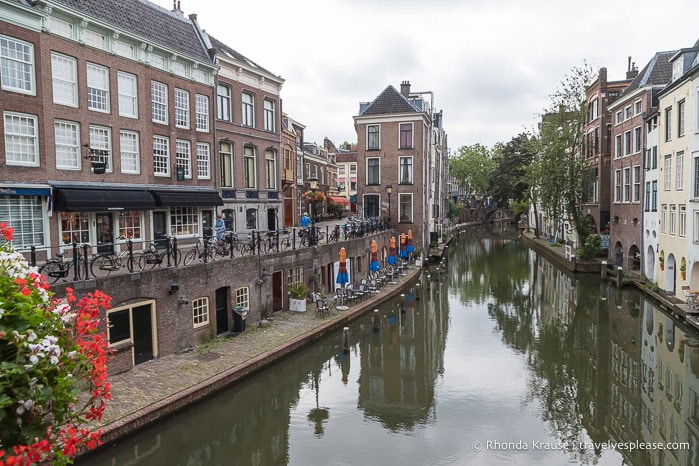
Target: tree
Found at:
472, 167
508, 179
559, 166
50, 352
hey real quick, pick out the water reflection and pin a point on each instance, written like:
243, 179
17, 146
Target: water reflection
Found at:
496, 345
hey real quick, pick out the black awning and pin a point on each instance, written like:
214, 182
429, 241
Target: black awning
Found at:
93, 200
171, 198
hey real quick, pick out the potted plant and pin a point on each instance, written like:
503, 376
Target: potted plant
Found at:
683, 270
661, 259
298, 292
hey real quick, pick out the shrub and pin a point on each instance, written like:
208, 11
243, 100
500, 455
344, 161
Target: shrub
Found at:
591, 247
299, 291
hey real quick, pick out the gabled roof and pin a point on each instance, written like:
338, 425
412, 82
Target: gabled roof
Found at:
390, 101
222, 48
657, 72
147, 20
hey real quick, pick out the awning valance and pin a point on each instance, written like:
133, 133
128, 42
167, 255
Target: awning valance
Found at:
93, 200
180, 198
343, 201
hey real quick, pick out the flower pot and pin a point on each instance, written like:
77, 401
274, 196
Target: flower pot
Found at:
297, 305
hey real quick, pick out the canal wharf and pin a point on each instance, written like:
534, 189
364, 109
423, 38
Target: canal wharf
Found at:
160, 387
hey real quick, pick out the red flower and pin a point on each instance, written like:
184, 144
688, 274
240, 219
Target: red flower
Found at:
6, 231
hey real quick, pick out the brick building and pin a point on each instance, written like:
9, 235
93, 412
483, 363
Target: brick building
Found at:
292, 170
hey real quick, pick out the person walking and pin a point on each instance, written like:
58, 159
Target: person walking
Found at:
219, 227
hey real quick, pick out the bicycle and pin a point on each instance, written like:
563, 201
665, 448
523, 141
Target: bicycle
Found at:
104, 264
58, 268
334, 235
204, 254
153, 256
276, 241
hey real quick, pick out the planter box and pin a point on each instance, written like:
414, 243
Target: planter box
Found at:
297, 305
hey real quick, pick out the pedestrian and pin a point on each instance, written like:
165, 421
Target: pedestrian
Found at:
219, 227
306, 220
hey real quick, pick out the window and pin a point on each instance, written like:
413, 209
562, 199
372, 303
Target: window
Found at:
183, 157
75, 227
181, 108
371, 205
225, 152
17, 65
373, 137
249, 178
251, 219
372, 171
637, 183
97, 88
223, 103
95, 39
64, 75
637, 107
593, 109
627, 113
618, 117
647, 199
405, 207
654, 157
128, 95
637, 140
654, 205
663, 218
119, 327
123, 49
67, 136
200, 311
129, 155
617, 186
203, 161
26, 215
179, 69
353, 169
680, 118
184, 221
202, 112
101, 144
668, 124
696, 228
294, 276
627, 184
248, 117
159, 102
696, 176
405, 170
21, 139
156, 61
679, 180
668, 172
130, 224
60, 27
627, 142
683, 220
270, 169
617, 146
673, 219
201, 76
242, 297
406, 136
161, 156
269, 115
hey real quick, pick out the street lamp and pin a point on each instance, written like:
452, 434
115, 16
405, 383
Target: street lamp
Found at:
313, 239
389, 190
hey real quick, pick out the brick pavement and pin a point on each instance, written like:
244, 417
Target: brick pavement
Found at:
159, 387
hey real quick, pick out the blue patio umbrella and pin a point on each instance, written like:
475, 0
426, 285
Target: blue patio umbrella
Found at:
402, 253
392, 259
374, 265
342, 275
409, 246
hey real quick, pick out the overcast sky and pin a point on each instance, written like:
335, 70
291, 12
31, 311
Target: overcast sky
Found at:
491, 64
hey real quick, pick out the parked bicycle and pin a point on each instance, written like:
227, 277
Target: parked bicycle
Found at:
202, 253
276, 241
58, 268
335, 234
103, 264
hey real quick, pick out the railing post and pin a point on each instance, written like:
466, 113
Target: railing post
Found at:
293, 238
253, 241
129, 261
259, 244
206, 249
327, 236
87, 269
75, 262
32, 256
276, 236
230, 245
603, 270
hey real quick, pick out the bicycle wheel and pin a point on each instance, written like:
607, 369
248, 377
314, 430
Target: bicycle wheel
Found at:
52, 270
190, 256
176, 257
102, 266
81, 272
286, 244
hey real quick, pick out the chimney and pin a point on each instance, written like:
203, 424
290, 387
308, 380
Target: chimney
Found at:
176, 7
632, 70
405, 88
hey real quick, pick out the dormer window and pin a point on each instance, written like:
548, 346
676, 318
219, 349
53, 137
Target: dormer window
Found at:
677, 67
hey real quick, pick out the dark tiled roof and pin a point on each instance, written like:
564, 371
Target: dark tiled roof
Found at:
657, 72
390, 101
222, 48
145, 19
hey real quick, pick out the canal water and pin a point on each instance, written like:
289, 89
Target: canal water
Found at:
495, 358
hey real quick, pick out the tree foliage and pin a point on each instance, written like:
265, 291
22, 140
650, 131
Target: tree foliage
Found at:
472, 167
50, 352
508, 180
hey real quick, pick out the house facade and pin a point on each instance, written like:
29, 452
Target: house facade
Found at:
650, 198
292, 180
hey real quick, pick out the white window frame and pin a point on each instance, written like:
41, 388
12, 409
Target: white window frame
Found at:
159, 98
183, 157
24, 139
411, 144
628, 142
101, 139
180, 69
161, 155
61, 27
683, 220
679, 171
627, 184
663, 218
64, 79
225, 153
628, 112
617, 185
248, 109
619, 117
637, 107
94, 39
673, 219
668, 172
223, 103
242, 297
203, 161
97, 88
411, 178
636, 187
378, 137
412, 207
637, 139
249, 172
157, 61
696, 226
681, 120
127, 87
181, 108
184, 221
201, 108
27, 217
618, 146
269, 115
65, 148
11, 62
271, 169
124, 49
378, 182
200, 312
129, 158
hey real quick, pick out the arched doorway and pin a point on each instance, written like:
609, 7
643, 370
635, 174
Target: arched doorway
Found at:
634, 258
670, 276
650, 264
694, 276
618, 254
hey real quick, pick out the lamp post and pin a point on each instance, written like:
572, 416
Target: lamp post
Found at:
389, 190
313, 239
